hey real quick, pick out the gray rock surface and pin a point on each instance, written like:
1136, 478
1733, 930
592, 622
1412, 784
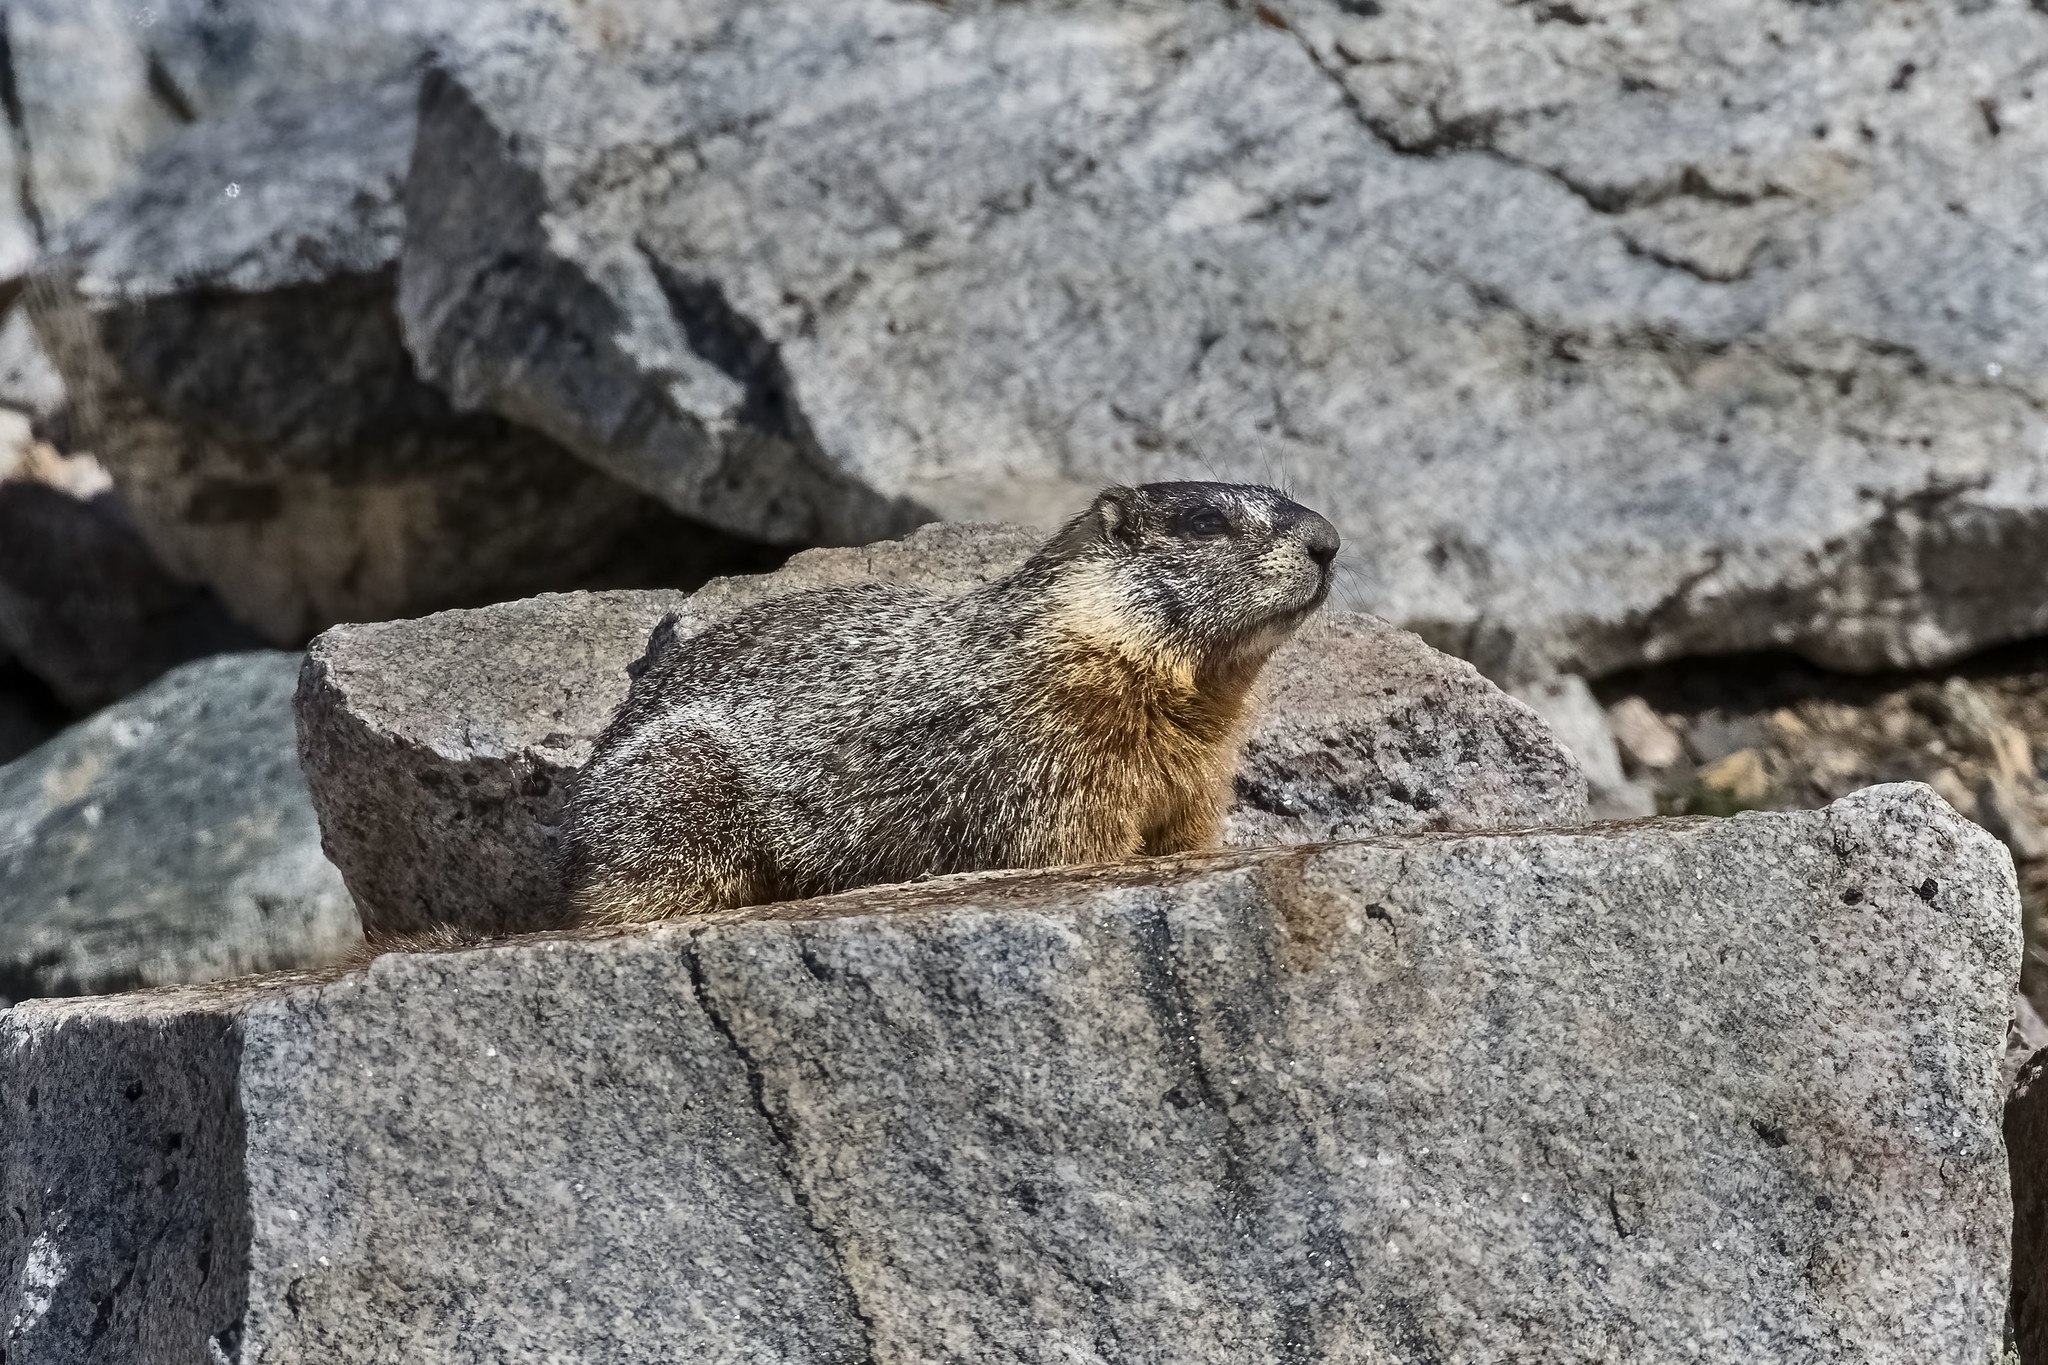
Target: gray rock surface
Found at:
1606, 332
1574, 715
439, 749
80, 110
95, 83
1542, 1098
167, 839
225, 331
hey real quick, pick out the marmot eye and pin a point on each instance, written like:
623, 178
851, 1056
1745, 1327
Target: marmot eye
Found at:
1204, 523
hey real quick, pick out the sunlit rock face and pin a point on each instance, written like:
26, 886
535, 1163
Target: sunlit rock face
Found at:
1715, 1090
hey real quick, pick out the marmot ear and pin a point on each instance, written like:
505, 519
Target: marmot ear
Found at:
1116, 511
660, 642
1109, 520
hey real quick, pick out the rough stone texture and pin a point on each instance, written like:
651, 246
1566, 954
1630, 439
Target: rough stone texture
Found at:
1542, 1098
439, 749
93, 84
1574, 715
79, 111
224, 326
1606, 332
1977, 734
167, 839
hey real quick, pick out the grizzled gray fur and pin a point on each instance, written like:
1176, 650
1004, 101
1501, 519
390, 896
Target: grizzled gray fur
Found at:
1087, 707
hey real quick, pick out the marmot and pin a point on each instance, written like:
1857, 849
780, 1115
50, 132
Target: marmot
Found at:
1086, 707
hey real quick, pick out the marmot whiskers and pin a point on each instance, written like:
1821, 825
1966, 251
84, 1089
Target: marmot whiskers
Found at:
1087, 707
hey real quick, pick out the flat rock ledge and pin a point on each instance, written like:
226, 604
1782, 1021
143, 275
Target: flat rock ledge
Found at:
439, 749
1673, 1090
167, 839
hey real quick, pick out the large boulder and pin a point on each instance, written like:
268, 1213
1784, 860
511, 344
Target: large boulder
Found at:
94, 84
167, 839
224, 326
439, 749
79, 111
1543, 1097
1606, 332
1570, 709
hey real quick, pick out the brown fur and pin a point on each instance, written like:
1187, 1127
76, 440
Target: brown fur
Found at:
440, 939
1156, 745
1085, 708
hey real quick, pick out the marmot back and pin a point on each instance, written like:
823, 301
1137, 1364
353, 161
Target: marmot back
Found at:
1086, 707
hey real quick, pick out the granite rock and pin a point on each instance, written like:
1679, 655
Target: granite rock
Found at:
1607, 333
1540, 1097
1574, 714
225, 331
169, 838
95, 84
439, 749
80, 110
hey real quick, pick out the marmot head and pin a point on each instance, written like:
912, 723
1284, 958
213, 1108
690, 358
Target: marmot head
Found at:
1213, 573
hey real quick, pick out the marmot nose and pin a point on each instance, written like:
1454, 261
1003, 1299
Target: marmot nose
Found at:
1319, 538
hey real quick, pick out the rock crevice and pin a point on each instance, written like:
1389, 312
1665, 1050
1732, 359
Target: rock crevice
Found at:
788, 1157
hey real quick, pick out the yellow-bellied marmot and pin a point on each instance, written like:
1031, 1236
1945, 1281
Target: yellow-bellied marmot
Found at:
1086, 707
